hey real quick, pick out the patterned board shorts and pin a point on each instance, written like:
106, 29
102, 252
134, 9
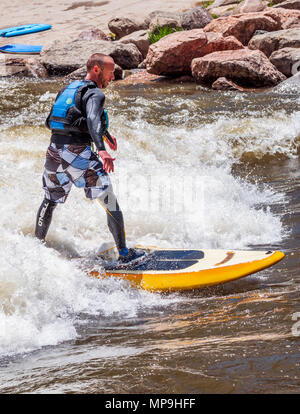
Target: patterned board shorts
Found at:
73, 164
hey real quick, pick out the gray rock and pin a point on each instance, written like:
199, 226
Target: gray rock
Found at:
195, 18
93, 34
249, 6
286, 60
269, 42
140, 39
62, 58
222, 11
160, 21
162, 13
221, 3
123, 26
291, 85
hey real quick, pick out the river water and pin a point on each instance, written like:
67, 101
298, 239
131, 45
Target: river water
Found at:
195, 168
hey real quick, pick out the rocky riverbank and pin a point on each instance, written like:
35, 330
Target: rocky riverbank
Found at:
225, 44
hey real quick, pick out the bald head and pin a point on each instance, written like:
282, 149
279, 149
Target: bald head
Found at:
98, 59
100, 69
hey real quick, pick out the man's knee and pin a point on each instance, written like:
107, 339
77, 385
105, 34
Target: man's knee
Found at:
109, 200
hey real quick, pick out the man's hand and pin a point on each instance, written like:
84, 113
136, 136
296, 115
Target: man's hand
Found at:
108, 161
112, 145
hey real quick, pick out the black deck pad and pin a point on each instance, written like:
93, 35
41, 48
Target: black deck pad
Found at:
161, 260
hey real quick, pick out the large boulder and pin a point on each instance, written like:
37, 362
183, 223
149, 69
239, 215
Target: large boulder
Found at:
245, 67
62, 58
140, 39
123, 26
289, 4
286, 18
286, 60
195, 18
172, 55
249, 6
242, 26
269, 42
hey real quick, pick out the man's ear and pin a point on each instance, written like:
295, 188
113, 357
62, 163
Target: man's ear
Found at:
97, 70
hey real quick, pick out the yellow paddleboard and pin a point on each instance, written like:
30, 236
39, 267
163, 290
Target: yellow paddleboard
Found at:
183, 269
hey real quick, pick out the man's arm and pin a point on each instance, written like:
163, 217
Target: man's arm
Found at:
94, 110
94, 103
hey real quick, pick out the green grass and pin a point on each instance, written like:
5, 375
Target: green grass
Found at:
161, 32
204, 4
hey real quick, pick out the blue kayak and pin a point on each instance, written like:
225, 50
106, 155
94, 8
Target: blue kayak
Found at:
22, 49
22, 30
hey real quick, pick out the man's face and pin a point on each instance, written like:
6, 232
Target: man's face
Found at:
106, 75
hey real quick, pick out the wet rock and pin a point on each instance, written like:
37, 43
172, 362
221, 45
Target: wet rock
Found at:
11, 66
269, 42
93, 34
224, 84
195, 18
28, 67
291, 84
172, 55
35, 69
244, 66
62, 58
123, 26
286, 60
249, 6
242, 26
289, 4
140, 39
78, 74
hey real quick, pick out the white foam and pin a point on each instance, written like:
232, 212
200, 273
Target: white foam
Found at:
43, 292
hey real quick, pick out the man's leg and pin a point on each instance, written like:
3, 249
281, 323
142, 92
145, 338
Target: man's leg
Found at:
44, 217
57, 186
114, 215
97, 184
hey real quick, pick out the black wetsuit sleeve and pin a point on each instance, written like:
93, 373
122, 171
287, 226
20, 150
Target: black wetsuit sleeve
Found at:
93, 104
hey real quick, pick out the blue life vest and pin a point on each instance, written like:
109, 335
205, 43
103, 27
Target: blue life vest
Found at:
66, 111
64, 102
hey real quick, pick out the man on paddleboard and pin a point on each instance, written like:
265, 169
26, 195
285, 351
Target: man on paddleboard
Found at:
77, 119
